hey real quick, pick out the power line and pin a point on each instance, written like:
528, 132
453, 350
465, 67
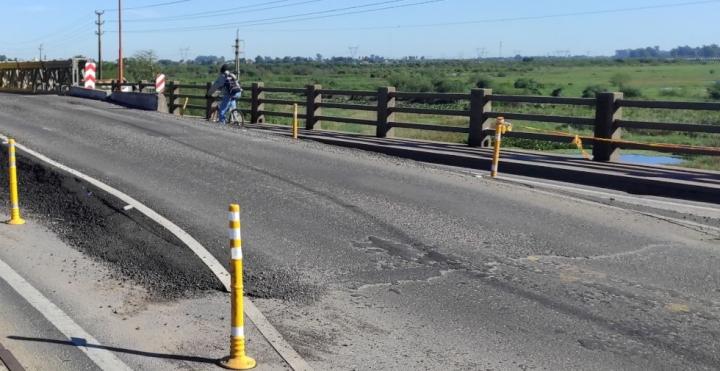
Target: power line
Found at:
302, 14
498, 20
71, 27
224, 12
149, 5
294, 18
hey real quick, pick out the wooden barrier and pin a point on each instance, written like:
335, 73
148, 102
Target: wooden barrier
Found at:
607, 122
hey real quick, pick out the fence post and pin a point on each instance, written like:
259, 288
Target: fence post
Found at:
607, 112
208, 101
257, 106
480, 105
385, 115
314, 98
173, 99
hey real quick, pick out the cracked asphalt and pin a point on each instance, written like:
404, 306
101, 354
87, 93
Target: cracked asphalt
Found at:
365, 261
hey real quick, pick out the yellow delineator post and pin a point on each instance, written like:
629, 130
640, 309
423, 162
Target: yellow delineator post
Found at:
578, 142
295, 122
15, 218
237, 359
500, 128
184, 107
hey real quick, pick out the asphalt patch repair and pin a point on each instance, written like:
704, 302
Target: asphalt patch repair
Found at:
135, 248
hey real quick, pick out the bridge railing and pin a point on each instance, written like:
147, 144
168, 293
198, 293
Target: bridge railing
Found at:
471, 115
47, 77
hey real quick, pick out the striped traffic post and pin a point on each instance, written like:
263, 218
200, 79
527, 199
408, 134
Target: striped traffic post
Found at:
500, 128
89, 75
160, 83
15, 218
237, 360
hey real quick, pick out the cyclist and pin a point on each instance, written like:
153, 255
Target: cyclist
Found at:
231, 91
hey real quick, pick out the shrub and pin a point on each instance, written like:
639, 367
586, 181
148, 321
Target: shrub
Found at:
672, 92
714, 91
529, 85
482, 82
620, 79
631, 92
593, 90
410, 83
557, 92
448, 86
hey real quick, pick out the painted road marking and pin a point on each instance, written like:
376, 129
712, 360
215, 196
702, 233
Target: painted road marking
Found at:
11, 363
629, 199
271, 334
105, 359
681, 222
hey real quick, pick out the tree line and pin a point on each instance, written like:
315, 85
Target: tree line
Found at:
702, 52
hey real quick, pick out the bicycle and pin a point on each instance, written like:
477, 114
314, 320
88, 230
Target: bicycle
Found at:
235, 116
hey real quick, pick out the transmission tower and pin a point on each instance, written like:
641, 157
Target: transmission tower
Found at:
184, 53
353, 51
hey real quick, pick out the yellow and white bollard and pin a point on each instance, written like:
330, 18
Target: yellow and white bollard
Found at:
15, 218
295, 122
237, 360
500, 128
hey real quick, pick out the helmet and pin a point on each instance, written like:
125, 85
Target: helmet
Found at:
224, 68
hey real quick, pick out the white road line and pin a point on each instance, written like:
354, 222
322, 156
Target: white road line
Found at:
104, 358
273, 336
713, 212
682, 222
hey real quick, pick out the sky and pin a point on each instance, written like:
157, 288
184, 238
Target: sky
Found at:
392, 28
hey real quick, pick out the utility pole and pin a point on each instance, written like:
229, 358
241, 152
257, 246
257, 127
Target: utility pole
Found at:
237, 52
41, 48
99, 33
500, 50
120, 57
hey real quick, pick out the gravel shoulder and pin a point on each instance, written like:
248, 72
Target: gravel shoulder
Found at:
144, 332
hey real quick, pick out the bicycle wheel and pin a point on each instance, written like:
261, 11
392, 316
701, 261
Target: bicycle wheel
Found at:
237, 118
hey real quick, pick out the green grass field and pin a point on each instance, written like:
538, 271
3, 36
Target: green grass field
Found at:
648, 80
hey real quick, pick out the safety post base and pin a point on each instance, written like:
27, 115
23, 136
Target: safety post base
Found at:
16, 221
237, 363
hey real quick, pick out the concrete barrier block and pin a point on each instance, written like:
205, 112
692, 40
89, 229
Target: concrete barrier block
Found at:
77, 91
144, 101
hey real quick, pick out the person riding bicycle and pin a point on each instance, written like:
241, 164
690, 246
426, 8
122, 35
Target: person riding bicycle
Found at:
231, 91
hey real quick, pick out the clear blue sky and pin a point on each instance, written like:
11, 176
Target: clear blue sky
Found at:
432, 28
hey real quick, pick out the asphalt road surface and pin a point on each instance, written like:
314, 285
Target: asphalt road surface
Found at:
368, 262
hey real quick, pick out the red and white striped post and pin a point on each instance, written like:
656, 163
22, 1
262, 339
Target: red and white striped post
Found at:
89, 75
160, 83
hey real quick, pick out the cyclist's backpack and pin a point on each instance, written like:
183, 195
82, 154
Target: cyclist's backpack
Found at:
231, 84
